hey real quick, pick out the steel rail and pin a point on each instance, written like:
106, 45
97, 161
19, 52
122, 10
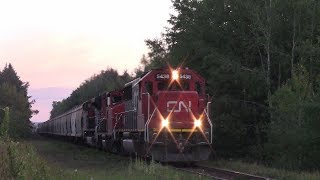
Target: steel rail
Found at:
220, 174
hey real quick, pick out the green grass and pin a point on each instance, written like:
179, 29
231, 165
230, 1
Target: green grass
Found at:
43, 158
263, 170
20, 161
4, 161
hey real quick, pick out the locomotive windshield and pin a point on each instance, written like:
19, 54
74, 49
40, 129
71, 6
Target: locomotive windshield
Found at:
174, 86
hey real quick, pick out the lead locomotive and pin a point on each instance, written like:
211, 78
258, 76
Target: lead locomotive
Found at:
164, 114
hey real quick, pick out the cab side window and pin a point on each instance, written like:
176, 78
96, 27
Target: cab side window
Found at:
116, 99
198, 88
149, 87
185, 85
127, 93
162, 86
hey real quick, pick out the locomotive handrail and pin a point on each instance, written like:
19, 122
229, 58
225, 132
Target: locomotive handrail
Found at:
114, 128
148, 103
147, 125
146, 129
132, 110
209, 120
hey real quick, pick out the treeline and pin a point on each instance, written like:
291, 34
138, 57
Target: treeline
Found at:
14, 94
105, 81
261, 62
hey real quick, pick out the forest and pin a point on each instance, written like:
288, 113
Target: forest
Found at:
260, 60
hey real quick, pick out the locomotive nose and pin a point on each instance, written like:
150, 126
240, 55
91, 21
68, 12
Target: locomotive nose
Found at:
178, 107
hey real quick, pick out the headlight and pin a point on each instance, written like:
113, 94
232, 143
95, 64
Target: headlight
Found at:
165, 123
175, 74
197, 123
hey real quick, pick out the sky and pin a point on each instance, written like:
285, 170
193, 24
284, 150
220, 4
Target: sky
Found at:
57, 44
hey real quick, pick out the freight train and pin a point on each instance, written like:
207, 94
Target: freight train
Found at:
163, 114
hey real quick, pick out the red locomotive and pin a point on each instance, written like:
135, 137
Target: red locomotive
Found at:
164, 114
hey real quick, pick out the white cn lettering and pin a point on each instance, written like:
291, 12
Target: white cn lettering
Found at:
173, 107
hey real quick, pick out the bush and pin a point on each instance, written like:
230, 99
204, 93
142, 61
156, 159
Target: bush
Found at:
294, 128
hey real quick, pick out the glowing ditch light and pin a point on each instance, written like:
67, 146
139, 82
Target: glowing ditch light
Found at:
165, 123
197, 123
175, 74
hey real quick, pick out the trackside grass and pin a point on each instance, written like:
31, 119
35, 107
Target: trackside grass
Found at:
42, 158
20, 161
261, 170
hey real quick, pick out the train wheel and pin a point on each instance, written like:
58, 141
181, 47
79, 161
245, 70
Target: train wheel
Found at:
99, 143
115, 148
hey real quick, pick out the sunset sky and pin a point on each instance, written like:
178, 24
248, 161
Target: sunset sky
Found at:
56, 45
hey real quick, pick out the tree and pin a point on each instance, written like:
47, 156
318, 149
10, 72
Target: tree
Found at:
107, 80
4, 125
14, 94
143, 67
294, 134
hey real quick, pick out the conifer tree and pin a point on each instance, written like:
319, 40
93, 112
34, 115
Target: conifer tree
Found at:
14, 94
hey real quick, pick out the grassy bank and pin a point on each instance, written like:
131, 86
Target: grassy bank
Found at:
262, 170
20, 161
41, 158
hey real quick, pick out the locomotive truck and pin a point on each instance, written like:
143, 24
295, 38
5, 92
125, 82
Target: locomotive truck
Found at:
163, 114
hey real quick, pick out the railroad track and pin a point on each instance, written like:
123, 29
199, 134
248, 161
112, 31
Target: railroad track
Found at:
220, 174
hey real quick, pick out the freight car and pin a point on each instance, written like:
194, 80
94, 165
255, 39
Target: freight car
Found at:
164, 114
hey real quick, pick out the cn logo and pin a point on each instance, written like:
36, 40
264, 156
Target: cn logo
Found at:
175, 106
